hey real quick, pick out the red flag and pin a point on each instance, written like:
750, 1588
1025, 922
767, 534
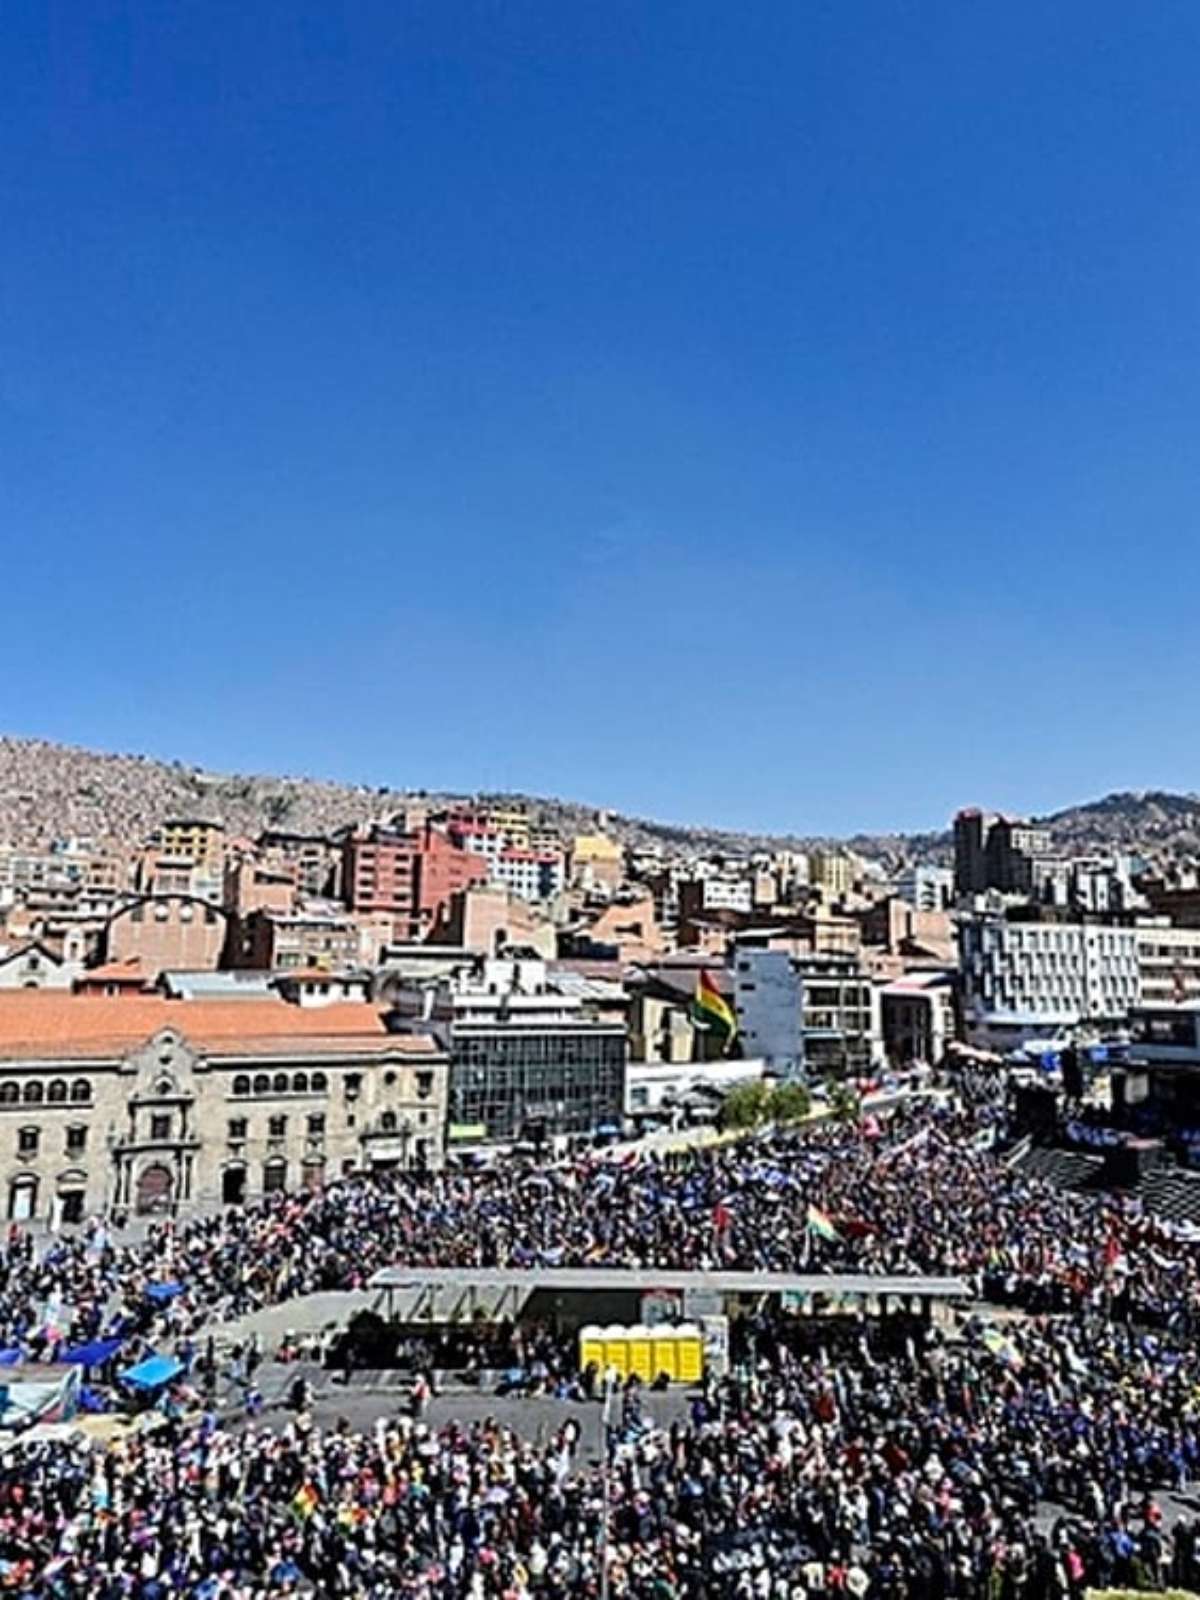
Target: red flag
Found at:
721, 1217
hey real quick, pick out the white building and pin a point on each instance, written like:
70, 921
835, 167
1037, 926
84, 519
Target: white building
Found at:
1021, 980
769, 1000
527, 873
926, 888
1168, 962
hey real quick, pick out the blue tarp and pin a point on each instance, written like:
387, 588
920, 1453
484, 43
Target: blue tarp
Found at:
162, 1292
153, 1372
10, 1358
94, 1354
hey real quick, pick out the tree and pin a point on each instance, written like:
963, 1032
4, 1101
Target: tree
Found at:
790, 1103
845, 1103
746, 1105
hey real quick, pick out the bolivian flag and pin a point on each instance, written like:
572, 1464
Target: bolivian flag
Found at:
711, 1009
820, 1223
306, 1501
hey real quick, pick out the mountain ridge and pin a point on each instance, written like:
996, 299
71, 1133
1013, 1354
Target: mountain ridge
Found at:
50, 790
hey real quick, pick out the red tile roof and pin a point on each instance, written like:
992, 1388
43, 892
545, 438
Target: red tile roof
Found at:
44, 1024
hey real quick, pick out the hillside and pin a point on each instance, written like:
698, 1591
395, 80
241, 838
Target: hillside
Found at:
50, 791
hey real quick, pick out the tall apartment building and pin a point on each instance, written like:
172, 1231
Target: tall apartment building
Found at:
997, 852
409, 877
1021, 979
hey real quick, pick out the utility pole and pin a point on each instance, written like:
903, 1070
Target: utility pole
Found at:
605, 1486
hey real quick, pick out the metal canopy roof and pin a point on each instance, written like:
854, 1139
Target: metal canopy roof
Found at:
647, 1278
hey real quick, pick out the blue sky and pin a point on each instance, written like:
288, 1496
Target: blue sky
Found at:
780, 415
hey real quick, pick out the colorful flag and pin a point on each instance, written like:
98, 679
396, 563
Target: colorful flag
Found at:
1003, 1349
820, 1223
306, 1501
711, 1010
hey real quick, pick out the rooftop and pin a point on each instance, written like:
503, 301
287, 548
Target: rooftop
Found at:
42, 1023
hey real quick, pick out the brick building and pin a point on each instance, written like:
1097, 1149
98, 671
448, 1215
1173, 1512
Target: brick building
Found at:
407, 876
172, 930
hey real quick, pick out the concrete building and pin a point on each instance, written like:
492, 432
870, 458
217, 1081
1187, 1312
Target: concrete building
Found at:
527, 1061
597, 864
842, 1035
488, 919
314, 860
918, 1017
274, 941
997, 852
149, 1105
769, 1001
926, 888
1168, 962
193, 839
833, 872
1024, 979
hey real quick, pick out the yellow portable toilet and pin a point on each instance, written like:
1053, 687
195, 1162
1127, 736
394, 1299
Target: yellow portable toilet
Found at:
640, 1352
689, 1344
616, 1349
591, 1347
664, 1353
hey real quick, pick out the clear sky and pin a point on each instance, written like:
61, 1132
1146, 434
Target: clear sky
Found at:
780, 414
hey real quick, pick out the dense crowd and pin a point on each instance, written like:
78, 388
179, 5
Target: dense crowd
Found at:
1020, 1461
924, 1191
849, 1468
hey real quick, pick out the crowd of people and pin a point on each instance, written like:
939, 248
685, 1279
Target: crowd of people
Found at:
924, 1191
935, 1468
1021, 1460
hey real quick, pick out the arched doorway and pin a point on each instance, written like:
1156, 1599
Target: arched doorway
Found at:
155, 1186
233, 1186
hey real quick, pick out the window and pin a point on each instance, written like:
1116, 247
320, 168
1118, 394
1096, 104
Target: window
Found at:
160, 1125
237, 1127
28, 1140
316, 1125
262, 1084
10, 1093
387, 1121
277, 1127
22, 1198
241, 1084
280, 1084
33, 1094
320, 1083
76, 1141
300, 1083
81, 1092
56, 1093
424, 1084
274, 1175
389, 1079
352, 1082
